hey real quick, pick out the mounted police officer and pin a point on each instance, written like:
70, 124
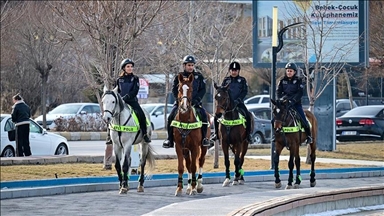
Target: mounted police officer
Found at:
128, 87
239, 89
197, 95
291, 88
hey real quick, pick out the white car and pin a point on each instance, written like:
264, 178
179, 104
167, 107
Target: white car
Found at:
69, 110
156, 111
257, 99
41, 141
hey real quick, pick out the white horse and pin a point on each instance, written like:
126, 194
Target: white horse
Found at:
125, 132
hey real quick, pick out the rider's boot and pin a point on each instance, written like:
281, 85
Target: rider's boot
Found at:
205, 142
273, 139
248, 129
168, 143
308, 132
146, 138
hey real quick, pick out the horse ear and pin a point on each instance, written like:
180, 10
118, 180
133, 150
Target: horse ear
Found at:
273, 102
115, 90
215, 85
105, 89
180, 77
191, 77
226, 86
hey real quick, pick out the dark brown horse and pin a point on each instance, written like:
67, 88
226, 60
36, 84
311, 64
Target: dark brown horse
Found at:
289, 134
188, 139
231, 134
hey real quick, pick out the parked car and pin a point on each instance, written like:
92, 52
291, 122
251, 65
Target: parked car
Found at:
361, 123
156, 111
69, 110
343, 106
41, 141
258, 99
262, 132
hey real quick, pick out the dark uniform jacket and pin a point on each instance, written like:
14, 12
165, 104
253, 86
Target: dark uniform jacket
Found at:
21, 113
130, 85
291, 88
238, 87
198, 86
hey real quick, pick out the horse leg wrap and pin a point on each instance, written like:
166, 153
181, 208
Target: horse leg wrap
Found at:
180, 181
200, 176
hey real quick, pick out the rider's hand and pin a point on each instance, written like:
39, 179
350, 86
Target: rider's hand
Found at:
291, 102
195, 103
126, 97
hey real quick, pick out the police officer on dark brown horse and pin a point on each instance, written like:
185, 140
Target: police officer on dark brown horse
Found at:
290, 88
197, 95
238, 90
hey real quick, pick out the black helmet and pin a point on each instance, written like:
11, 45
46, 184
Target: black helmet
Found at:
234, 65
125, 62
189, 59
291, 65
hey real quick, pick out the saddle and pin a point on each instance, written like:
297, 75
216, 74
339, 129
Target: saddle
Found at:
298, 122
124, 128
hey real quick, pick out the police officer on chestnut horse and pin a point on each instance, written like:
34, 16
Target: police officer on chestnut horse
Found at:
197, 95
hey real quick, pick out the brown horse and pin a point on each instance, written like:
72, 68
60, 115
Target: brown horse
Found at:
231, 134
188, 139
289, 134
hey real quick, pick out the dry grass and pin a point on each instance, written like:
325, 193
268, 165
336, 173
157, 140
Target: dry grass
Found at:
366, 151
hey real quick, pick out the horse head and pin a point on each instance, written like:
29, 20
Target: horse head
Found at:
112, 103
223, 99
185, 92
280, 113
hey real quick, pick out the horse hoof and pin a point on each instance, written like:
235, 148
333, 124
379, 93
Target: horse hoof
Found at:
226, 182
140, 189
288, 187
313, 184
178, 192
296, 186
241, 182
200, 190
123, 191
188, 191
235, 182
193, 192
278, 185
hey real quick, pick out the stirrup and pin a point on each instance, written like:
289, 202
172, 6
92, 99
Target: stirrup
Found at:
206, 142
146, 138
167, 144
250, 140
309, 140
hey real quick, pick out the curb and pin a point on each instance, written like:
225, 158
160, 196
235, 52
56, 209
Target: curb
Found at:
87, 136
32, 188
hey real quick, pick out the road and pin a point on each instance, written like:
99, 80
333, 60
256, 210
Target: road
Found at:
95, 148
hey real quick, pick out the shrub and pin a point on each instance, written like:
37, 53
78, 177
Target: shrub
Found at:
89, 122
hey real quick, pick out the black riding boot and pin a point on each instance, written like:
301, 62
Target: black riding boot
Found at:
309, 136
143, 128
248, 129
273, 139
205, 141
168, 143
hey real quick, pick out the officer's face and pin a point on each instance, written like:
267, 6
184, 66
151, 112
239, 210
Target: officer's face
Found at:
189, 67
128, 68
234, 72
290, 72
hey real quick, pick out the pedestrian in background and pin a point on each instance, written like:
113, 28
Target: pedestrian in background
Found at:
20, 117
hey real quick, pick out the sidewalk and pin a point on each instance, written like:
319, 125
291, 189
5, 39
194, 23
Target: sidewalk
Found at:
85, 136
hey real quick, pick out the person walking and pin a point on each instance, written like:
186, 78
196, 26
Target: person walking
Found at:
128, 86
197, 95
239, 89
291, 88
20, 117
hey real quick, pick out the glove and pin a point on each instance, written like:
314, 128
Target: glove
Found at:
291, 102
236, 102
285, 97
126, 97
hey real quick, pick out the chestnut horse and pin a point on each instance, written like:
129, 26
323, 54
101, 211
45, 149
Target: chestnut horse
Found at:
188, 139
289, 134
231, 133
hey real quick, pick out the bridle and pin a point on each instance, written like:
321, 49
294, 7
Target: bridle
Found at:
283, 116
184, 100
227, 101
114, 113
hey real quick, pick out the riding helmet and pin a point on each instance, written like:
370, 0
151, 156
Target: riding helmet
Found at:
291, 65
125, 62
189, 59
234, 66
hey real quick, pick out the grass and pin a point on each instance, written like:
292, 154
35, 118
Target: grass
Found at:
373, 151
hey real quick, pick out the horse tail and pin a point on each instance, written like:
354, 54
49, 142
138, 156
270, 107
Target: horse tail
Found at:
150, 159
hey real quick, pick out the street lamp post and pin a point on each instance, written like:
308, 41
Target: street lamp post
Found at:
276, 49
